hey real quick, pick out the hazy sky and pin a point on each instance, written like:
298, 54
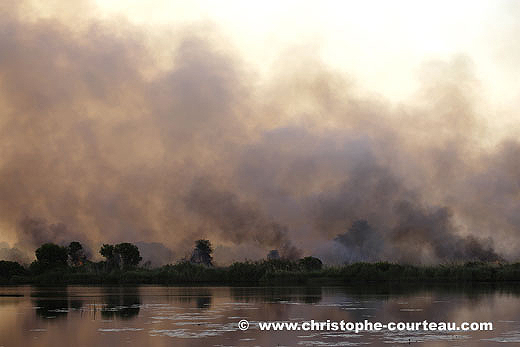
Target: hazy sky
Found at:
261, 125
381, 44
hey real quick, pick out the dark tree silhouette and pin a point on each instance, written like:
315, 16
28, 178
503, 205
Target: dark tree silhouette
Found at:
204, 246
50, 256
125, 254
202, 253
107, 251
76, 254
9, 269
310, 264
128, 253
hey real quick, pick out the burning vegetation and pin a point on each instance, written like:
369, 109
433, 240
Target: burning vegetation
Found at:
56, 264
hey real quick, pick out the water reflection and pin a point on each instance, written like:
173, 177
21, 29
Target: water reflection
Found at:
120, 303
199, 297
193, 316
306, 294
53, 303
203, 302
468, 289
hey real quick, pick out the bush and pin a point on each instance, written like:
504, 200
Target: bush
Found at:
9, 269
310, 264
50, 256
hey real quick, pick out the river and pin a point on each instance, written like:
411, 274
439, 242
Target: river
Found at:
208, 316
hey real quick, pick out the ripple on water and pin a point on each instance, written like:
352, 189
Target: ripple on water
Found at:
183, 333
420, 336
188, 317
332, 344
510, 336
117, 330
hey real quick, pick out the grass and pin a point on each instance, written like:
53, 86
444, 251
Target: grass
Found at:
270, 272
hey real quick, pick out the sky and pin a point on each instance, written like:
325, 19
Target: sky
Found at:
381, 45
262, 125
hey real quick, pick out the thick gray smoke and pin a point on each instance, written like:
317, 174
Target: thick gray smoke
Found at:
33, 232
154, 253
105, 132
238, 221
418, 235
13, 254
399, 226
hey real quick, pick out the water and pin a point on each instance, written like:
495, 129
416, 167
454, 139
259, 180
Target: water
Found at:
208, 316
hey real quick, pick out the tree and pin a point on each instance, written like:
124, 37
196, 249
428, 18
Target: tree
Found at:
361, 242
112, 261
202, 253
9, 269
204, 246
128, 253
76, 254
51, 256
310, 263
107, 251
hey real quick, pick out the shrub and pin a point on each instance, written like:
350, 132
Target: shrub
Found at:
310, 264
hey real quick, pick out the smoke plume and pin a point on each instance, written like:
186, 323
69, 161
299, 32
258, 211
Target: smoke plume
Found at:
238, 221
106, 131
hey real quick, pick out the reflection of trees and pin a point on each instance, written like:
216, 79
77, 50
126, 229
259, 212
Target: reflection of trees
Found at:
436, 300
51, 307
307, 294
203, 302
202, 297
471, 290
311, 295
54, 302
121, 302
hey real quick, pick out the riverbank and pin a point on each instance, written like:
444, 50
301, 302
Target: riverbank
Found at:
273, 272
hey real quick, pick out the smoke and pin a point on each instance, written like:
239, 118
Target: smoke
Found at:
237, 221
155, 253
399, 227
420, 231
33, 232
106, 131
362, 242
419, 236
12, 254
